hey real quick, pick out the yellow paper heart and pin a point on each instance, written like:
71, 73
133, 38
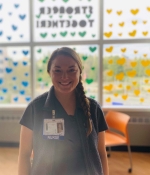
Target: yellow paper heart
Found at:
121, 61
121, 24
120, 76
110, 61
119, 12
124, 97
128, 87
109, 87
145, 63
134, 22
133, 33
120, 34
137, 92
110, 73
108, 34
134, 83
135, 51
110, 49
146, 81
148, 8
144, 55
120, 86
147, 72
123, 49
145, 33
110, 25
148, 90
109, 11
131, 73
134, 12
133, 63
116, 94
144, 22
108, 100
142, 100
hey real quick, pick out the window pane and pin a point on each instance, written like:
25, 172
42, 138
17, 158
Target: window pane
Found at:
89, 56
14, 21
15, 75
66, 21
126, 19
126, 75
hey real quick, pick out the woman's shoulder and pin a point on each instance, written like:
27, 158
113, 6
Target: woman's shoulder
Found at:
94, 103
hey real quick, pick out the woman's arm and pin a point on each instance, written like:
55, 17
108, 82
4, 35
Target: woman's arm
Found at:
102, 152
25, 149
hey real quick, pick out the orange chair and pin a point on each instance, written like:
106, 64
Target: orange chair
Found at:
117, 134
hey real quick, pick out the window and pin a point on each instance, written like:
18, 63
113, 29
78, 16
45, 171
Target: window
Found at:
112, 38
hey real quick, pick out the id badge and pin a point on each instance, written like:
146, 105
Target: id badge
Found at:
53, 129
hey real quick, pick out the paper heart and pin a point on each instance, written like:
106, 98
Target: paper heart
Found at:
148, 8
124, 97
134, 83
134, 22
110, 49
110, 25
22, 92
38, 16
142, 100
92, 49
82, 34
15, 99
14, 87
108, 100
137, 92
119, 12
110, 61
1, 20
92, 68
128, 87
24, 63
25, 52
22, 17
89, 81
9, 38
28, 99
14, 78
120, 34
39, 51
108, 34
92, 96
8, 70
1, 81
146, 81
120, 76
40, 79
4, 90
63, 33
109, 11
1, 33
72, 33
120, 85
70, 16
131, 73
116, 94
145, 63
15, 63
14, 27
43, 35
10, 13
123, 50
148, 90
110, 73
121, 61
145, 33
93, 35
88, 16
133, 33
135, 51
147, 72
84, 57
53, 35
41, 0
21, 36
65, 0
144, 55
16, 5
1, 52
26, 74
121, 24
1, 98
144, 22
133, 63
109, 87
25, 83
1, 6
134, 12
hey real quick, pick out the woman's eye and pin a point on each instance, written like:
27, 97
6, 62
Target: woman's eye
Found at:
71, 70
57, 70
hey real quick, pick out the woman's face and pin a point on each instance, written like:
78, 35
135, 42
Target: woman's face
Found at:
65, 74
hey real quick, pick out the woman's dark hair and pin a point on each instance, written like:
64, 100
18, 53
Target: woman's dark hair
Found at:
84, 101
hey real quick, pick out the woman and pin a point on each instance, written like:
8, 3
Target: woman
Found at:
80, 148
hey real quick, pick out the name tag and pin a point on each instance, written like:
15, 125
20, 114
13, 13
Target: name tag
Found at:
53, 129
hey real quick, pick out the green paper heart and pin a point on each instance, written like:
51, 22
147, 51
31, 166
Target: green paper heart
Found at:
89, 81
43, 35
74, 48
65, 0
73, 33
63, 33
70, 16
60, 16
46, 84
39, 51
92, 49
38, 16
92, 68
51, 16
93, 35
88, 16
82, 34
41, 0
40, 70
39, 79
54, 35
44, 61
92, 96
84, 57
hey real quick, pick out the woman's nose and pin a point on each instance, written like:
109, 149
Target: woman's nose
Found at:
64, 75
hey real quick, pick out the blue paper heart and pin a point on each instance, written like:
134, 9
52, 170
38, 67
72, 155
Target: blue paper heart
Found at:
21, 36
14, 87
8, 70
1, 51
24, 63
1, 80
1, 98
26, 74
9, 37
15, 98
0, 6
1, 20
14, 78
15, 63
28, 99
14, 27
25, 83
4, 90
1, 33
6, 59
16, 5
22, 92
22, 17
10, 13
25, 52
